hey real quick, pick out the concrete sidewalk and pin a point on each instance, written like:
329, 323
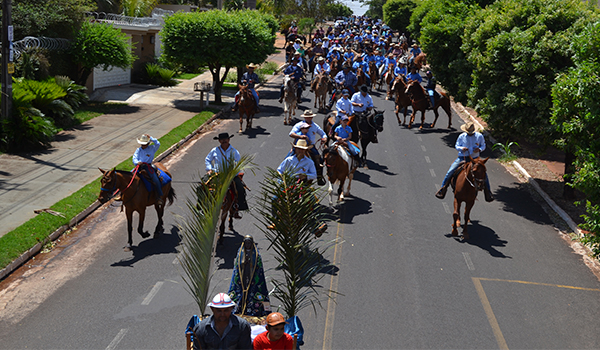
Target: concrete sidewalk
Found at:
37, 181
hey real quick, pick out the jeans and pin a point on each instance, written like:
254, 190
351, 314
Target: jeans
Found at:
152, 173
453, 168
431, 96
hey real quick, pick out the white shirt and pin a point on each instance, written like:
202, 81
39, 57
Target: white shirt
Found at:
319, 68
314, 132
367, 101
217, 156
344, 105
299, 166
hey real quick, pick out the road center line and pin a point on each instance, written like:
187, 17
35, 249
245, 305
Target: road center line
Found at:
446, 208
490, 314
419, 138
152, 293
423, 148
113, 344
468, 261
432, 172
427, 159
329, 319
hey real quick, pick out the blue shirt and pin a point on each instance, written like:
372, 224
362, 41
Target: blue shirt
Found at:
299, 166
470, 142
295, 71
146, 155
416, 76
217, 156
251, 79
346, 79
314, 132
400, 70
343, 132
367, 102
344, 106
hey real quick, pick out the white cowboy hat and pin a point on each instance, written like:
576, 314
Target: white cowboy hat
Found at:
468, 127
302, 144
308, 114
221, 301
143, 140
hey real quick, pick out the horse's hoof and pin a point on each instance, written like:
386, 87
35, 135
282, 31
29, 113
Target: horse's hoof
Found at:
145, 234
421, 127
432, 125
127, 248
240, 131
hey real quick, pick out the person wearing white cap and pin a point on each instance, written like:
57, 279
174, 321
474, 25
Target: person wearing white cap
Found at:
143, 157
222, 330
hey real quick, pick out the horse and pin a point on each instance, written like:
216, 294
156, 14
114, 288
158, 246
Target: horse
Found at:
387, 79
368, 125
335, 66
419, 101
401, 100
290, 99
321, 87
374, 74
228, 209
340, 166
469, 181
135, 198
420, 61
361, 78
247, 106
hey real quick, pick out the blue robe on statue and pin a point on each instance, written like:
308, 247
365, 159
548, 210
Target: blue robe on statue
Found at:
248, 288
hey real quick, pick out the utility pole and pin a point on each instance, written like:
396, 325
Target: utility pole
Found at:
8, 67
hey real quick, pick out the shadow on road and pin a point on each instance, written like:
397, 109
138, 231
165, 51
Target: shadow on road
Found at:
351, 207
484, 238
517, 200
166, 244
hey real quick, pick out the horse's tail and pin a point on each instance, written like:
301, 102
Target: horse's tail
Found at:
171, 196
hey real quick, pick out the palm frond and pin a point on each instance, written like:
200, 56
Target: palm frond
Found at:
292, 207
198, 228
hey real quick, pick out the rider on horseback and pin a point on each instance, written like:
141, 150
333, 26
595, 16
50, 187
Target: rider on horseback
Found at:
346, 78
313, 134
430, 88
469, 143
226, 153
344, 107
296, 72
343, 134
250, 79
321, 66
143, 157
414, 52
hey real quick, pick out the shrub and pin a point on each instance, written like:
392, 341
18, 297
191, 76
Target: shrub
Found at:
160, 76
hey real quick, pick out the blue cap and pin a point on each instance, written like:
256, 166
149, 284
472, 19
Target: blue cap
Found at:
345, 92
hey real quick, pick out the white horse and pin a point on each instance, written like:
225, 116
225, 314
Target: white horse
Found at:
290, 99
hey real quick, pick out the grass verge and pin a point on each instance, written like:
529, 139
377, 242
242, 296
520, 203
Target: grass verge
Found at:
37, 229
186, 76
94, 109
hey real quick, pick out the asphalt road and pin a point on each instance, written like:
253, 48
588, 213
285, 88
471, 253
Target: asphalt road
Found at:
403, 281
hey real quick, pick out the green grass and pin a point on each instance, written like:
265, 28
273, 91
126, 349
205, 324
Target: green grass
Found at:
37, 229
94, 109
186, 76
230, 86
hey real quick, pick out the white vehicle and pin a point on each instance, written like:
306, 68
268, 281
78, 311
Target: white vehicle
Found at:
339, 23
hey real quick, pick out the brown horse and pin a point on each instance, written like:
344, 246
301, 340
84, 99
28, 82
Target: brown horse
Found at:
135, 198
374, 74
290, 99
320, 87
340, 166
361, 78
469, 181
247, 106
335, 67
420, 61
401, 100
387, 79
420, 102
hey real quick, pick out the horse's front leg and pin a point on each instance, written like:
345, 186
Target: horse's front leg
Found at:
241, 121
160, 210
468, 207
363, 155
129, 215
456, 217
436, 116
397, 115
144, 234
341, 190
422, 119
412, 118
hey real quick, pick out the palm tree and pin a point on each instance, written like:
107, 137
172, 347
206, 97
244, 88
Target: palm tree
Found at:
138, 8
198, 228
288, 212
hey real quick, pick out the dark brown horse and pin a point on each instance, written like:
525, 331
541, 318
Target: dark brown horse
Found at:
228, 209
361, 78
135, 198
247, 106
374, 74
368, 125
340, 166
401, 99
420, 102
469, 181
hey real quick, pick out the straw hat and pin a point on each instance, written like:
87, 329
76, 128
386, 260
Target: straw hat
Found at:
302, 144
468, 127
308, 114
252, 65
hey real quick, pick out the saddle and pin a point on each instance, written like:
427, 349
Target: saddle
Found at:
162, 177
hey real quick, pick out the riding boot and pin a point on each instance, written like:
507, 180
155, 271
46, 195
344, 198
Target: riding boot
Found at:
442, 192
489, 197
235, 107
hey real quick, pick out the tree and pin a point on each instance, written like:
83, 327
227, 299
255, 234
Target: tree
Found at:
137, 8
100, 45
338, 9
375, 8
55, 19
219, 39
396, 13
441, 31
517, 48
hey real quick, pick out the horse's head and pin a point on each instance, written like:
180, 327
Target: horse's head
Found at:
108, 185
413, 87
478, 172
378, 120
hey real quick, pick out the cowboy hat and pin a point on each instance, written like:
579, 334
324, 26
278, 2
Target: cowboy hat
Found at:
251, 65
468, 127
222, 136
320, 59
302, 144
143, 140
415, 45
221, 301
308, 114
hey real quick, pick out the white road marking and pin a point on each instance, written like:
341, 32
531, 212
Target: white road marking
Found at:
423, 148
468, 261
176, 261
427, 159
432, 172
263, 144
419, 138
446, 208
152, 293
113, 344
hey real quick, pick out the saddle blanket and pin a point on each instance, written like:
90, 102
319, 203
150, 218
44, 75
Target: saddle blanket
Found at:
162, 176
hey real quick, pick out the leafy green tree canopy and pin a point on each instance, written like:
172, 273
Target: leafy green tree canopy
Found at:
396, 13
338, 9
100, 45
219, 39
517, 49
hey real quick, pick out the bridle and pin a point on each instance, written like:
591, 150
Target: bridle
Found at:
479, 183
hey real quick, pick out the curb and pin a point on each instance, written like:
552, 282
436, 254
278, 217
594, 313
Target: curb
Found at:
558, 210
23, 258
